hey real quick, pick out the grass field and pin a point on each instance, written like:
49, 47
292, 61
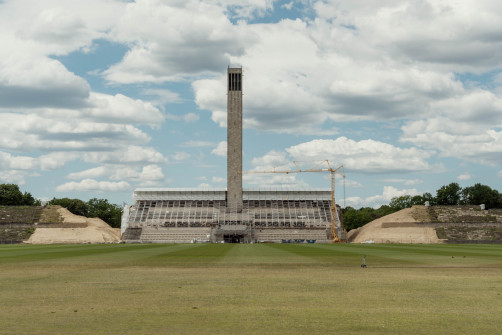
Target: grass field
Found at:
250, 289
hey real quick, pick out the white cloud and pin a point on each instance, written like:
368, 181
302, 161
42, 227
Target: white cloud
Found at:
180, 156
121, 109
94, 185
58, 26
275, 181
464, 176
197, 144
15, 168
352, 183
28, 82
388, 193
204, 185
408, 182
170, 40
218, 180
27, 132
288, 5
456, 139
221, 149
164, 96
129, 155
96, 172
366, 156
151, 172
273, 160
147, 173
189, 117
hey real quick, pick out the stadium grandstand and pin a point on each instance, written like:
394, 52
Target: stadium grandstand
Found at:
232, 215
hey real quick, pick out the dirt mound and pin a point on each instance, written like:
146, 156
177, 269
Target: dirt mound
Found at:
84, 230
399, 227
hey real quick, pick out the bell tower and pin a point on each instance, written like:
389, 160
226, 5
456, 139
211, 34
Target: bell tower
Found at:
234, 138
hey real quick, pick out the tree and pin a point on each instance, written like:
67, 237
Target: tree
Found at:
481, 194
10, 195
101, 208
76, 206
355, 218
449, 195
398, 203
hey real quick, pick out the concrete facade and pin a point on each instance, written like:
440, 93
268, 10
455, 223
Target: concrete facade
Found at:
234, 138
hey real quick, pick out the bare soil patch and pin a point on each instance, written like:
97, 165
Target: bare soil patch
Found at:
78, 229
399, 227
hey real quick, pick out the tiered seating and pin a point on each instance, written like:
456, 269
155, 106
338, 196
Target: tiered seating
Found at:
132, 235
175, 235
20, 214
291, 235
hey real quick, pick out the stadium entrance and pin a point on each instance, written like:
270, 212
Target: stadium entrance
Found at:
233, 238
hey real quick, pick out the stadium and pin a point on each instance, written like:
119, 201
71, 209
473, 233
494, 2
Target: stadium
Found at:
232, 215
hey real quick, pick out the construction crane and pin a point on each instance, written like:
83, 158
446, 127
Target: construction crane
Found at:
334, 212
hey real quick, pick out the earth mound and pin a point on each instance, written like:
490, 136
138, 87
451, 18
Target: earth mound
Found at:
75, 229
399, 227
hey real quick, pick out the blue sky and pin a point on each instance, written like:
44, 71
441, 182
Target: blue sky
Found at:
100, 97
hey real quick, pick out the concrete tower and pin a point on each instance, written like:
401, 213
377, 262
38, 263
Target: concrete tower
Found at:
234, 138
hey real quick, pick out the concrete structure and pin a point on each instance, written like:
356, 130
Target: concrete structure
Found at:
232, 214
234, 138
188, 215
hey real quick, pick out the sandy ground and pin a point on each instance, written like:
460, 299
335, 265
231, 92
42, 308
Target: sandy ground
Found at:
398, 227
97, 231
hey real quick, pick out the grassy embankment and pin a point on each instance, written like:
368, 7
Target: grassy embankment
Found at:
250, 289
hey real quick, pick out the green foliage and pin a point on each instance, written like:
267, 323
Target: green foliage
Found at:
76, 206
101, 208
406, 201
449, 195
10, 195
481, 194
355, 218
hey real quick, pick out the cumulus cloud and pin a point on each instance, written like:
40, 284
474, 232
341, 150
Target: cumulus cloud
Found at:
31, 131
170, 40
189, 117
221, 149
121, 109
368, 156
90, 173
94, 185
197, 144
388, 193
130, 155
464, 176
218, 180
180, 156
28, 82
14, 168
408, 182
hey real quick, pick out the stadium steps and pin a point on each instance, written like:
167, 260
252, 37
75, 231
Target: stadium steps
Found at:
278, 235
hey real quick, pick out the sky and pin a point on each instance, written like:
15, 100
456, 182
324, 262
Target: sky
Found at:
100, 97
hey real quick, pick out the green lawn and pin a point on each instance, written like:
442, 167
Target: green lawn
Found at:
250, 289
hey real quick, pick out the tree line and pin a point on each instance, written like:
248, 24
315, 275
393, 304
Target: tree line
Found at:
10, 195
448, 195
